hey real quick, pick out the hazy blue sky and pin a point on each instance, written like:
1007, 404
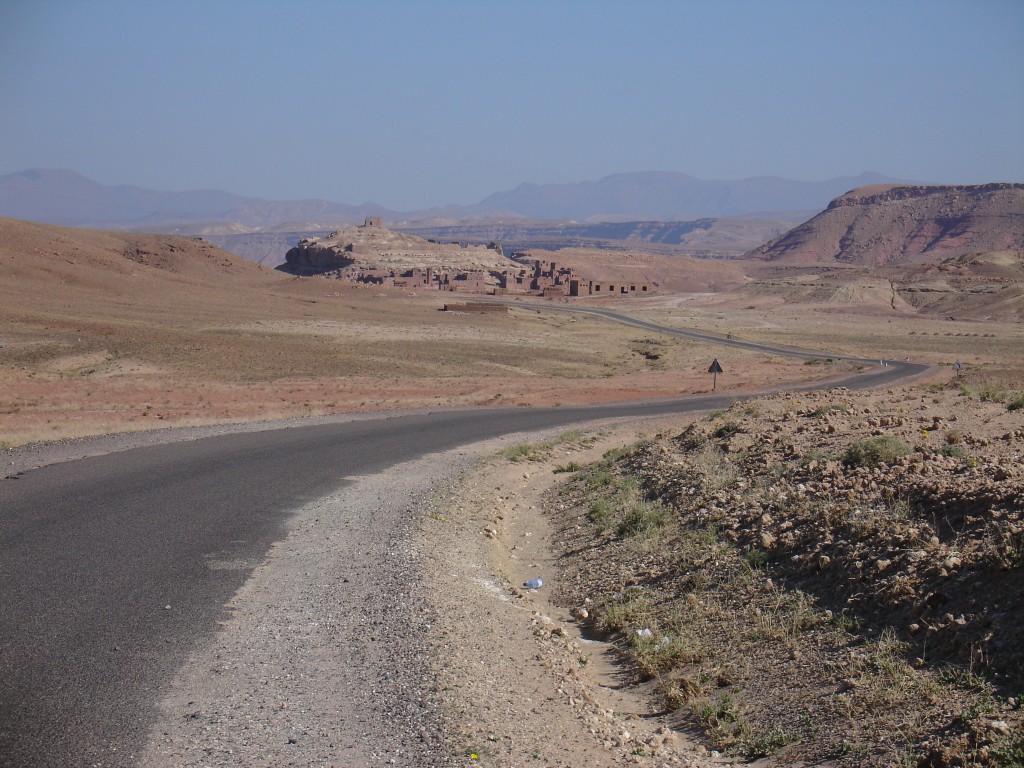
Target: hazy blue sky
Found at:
412, 104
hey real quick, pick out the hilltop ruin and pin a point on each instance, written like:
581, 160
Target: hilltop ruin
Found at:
374, 255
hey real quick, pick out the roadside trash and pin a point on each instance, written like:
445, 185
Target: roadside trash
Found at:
534, 584
645, 632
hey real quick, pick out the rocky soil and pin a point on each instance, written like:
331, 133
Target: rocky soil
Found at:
829, 577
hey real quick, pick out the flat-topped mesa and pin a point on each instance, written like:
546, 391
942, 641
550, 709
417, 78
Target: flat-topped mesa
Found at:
898, 224
878, 194
372, 246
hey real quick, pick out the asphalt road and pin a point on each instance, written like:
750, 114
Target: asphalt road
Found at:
108, 565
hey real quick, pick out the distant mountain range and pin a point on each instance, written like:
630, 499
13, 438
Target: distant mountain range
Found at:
662, 196
68, 198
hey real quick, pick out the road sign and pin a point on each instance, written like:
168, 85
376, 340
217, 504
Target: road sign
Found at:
715, 369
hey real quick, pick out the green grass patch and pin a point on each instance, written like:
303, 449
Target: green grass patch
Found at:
643, 517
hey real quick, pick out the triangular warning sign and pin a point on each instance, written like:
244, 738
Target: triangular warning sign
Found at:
715, 367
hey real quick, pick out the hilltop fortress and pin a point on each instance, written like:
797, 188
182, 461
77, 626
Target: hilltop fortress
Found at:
375, 255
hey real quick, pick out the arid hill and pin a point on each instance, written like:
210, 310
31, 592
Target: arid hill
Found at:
373, 246
953, 252
888, 224
55, 259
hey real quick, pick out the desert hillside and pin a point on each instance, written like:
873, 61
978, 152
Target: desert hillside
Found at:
829, 579
111, 261
888, 224
373, 246
107, 332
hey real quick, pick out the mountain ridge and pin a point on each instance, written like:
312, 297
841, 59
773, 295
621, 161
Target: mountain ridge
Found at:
67, 198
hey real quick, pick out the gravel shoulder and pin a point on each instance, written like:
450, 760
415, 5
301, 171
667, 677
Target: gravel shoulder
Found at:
325, 659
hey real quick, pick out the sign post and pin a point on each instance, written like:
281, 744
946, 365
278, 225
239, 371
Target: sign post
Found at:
715, 369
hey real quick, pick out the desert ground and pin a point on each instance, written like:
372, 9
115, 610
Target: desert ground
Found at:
112, 333
108, 332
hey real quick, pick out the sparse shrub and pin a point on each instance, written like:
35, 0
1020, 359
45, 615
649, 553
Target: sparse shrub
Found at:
768, 743
792, 613
728, 429
1010, 549
847, 622
872, 451
715, 471
601, 513
825, 410
524, 452
643, 517
993, 393
678, 692
718, 711
1015, 401
614, 454
1011, 751
755, 557
630, 609
967, 678
572, 466
540, 451
949, 449
655, 654
953, 436
814, 454
601, 477
694, 547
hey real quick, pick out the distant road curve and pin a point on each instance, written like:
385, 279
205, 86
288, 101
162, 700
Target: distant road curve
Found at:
905, 369
106, 581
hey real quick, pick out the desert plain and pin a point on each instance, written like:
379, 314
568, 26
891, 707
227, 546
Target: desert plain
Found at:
109, 332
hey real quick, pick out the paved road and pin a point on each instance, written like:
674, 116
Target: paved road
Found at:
108, 565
